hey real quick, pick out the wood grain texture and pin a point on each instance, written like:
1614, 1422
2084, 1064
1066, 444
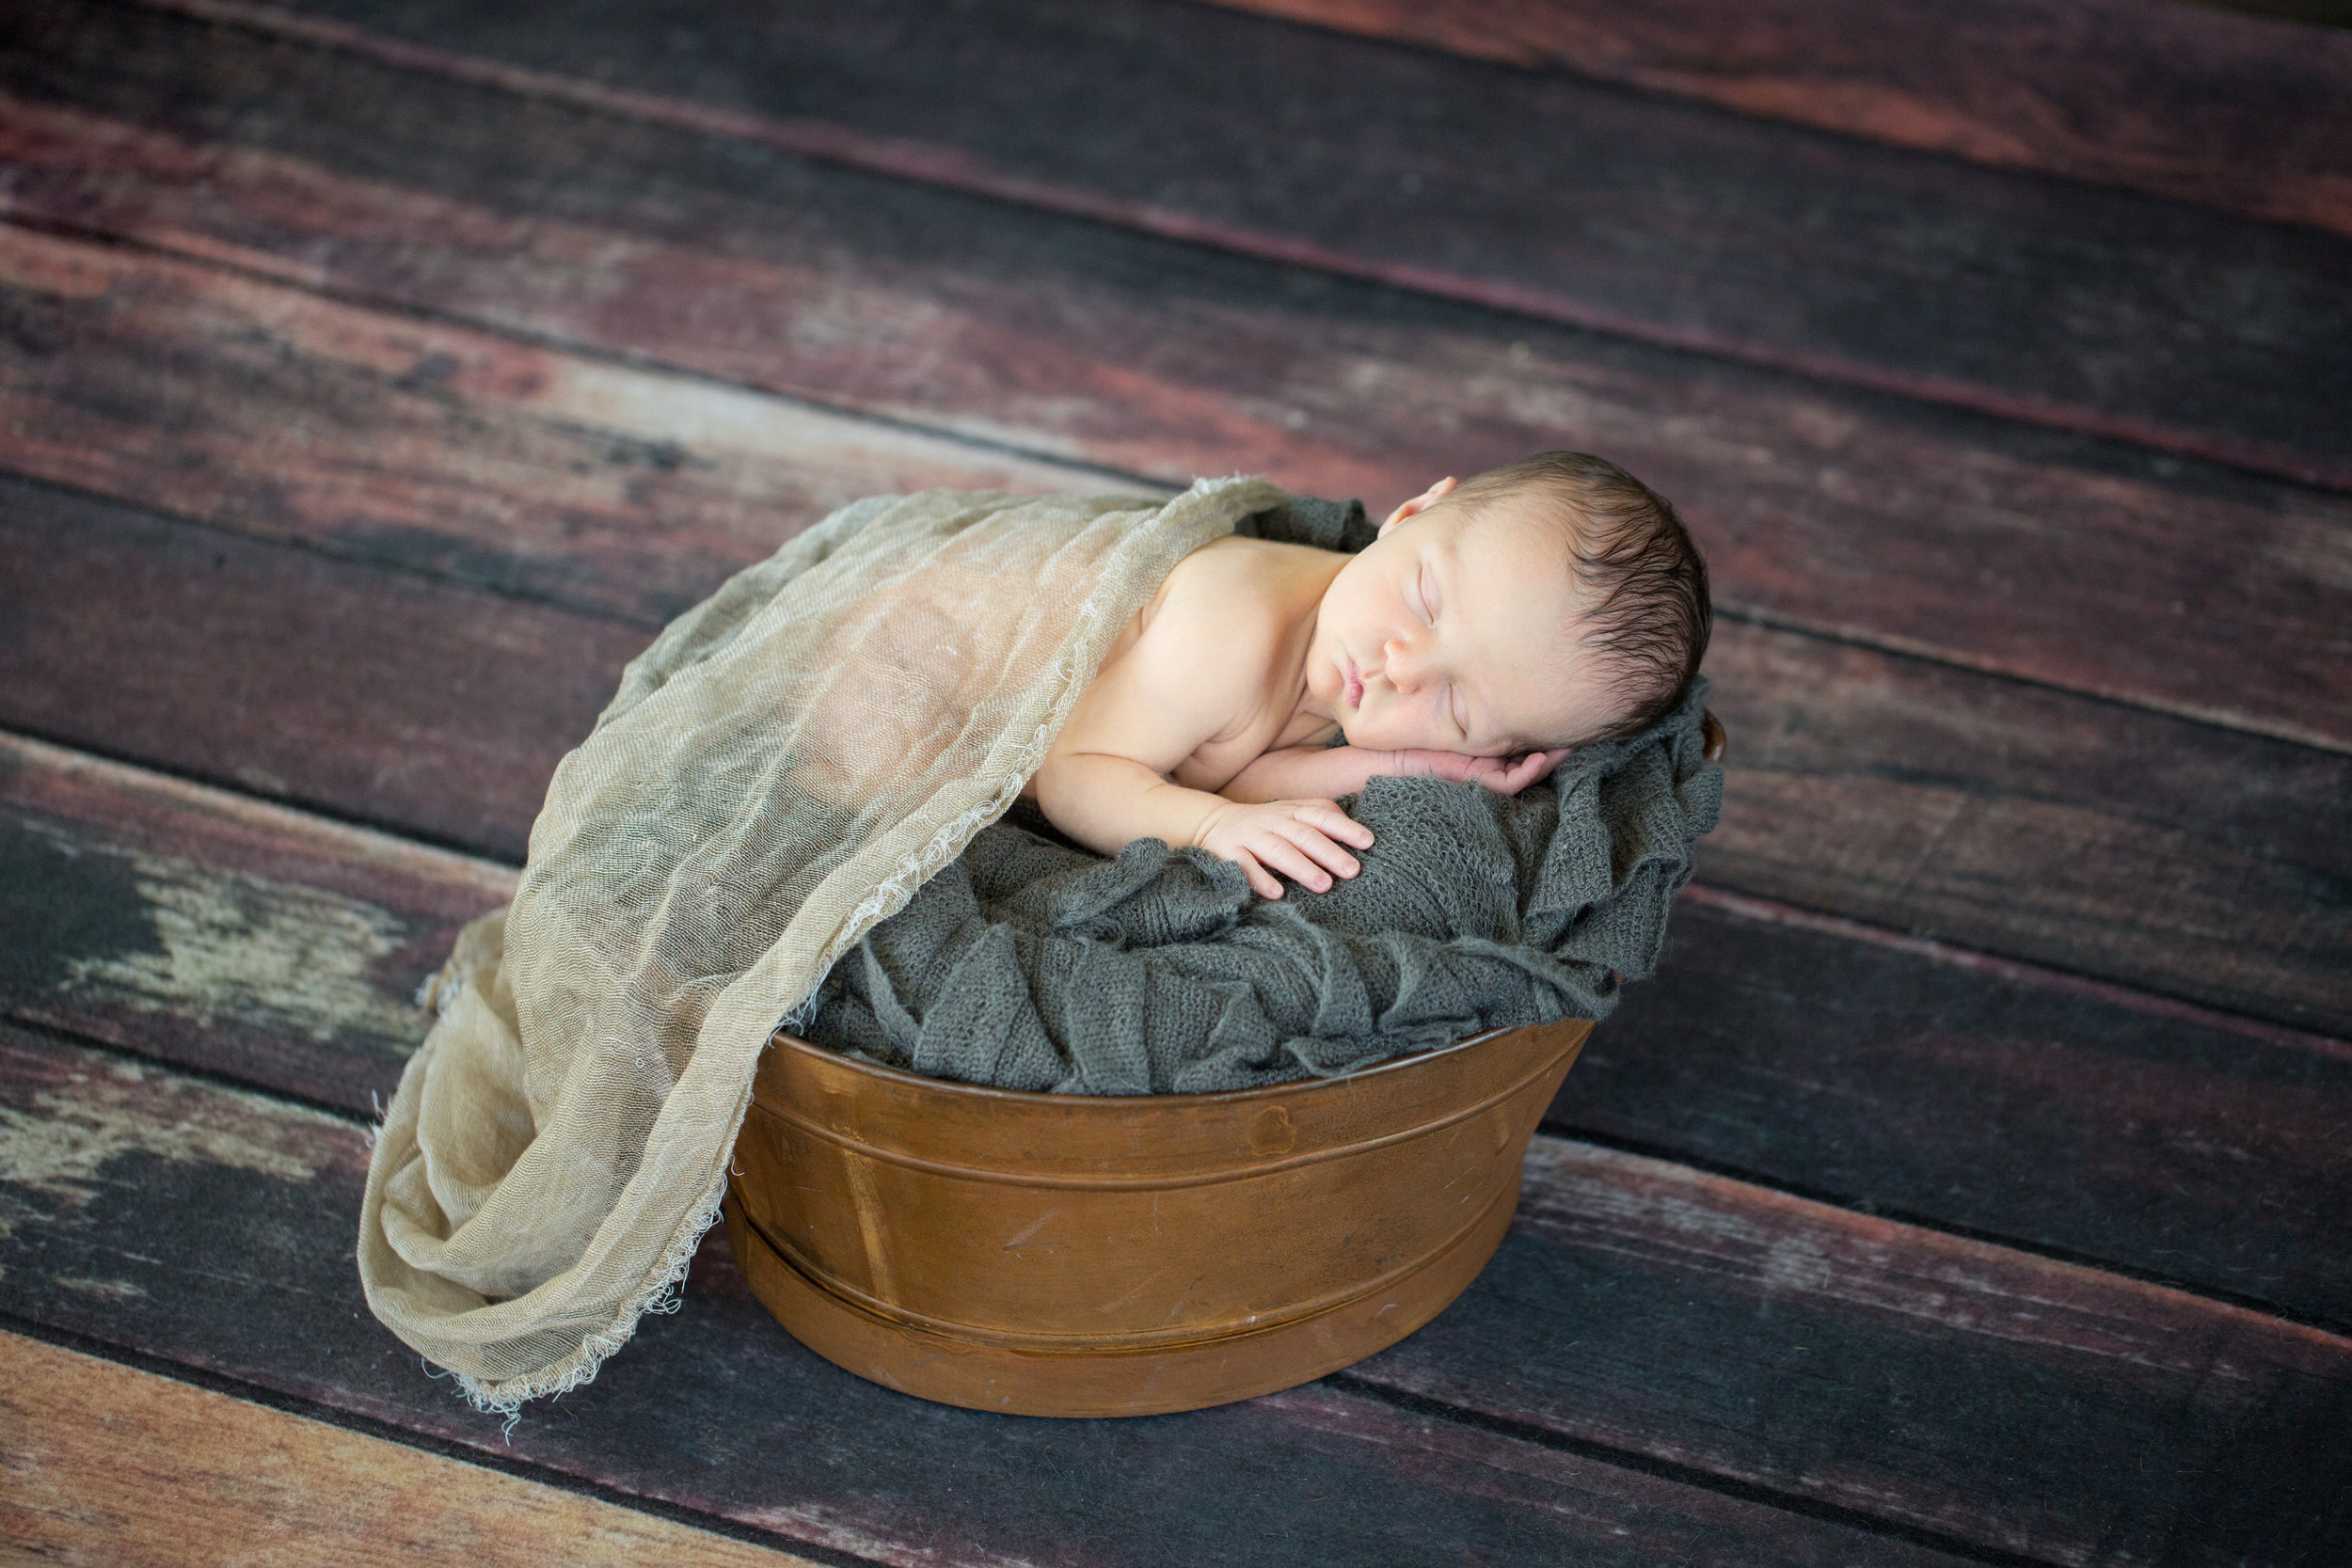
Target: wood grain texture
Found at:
2023, 1405
2034, 823
1929, 798
2062, 559
376, 695
237, 937
432, 448
2233, 111
113, 1467
120, 1180
2032, 1406
1898, 1076
2092, 309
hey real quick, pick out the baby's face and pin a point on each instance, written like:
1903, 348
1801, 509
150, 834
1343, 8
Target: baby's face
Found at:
1457, 633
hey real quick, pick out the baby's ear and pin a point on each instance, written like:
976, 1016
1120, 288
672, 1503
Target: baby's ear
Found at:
1421, 503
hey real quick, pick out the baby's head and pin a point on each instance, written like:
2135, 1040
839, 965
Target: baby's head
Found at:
1552, 602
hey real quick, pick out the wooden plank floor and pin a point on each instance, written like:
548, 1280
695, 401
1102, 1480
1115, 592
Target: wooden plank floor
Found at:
1971, 1186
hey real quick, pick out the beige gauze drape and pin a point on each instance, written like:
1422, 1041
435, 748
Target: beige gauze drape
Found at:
778, 772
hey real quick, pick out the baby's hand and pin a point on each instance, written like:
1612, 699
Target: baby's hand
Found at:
1504, 775
1299, 838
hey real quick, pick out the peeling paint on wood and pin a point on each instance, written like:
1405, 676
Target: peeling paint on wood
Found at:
56, 1143
62, 1139
717, 1410
210, 928
245, 948
564, 264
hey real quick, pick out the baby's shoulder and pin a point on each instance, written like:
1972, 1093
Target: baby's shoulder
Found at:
1234, 556
1228, 598
1236, 570
1205, 656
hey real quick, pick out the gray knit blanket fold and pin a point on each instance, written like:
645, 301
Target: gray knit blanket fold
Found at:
1029, 963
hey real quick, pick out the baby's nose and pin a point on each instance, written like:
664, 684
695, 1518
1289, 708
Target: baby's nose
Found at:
1403, 663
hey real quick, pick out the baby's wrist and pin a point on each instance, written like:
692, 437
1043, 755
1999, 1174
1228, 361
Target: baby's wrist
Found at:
1209, 819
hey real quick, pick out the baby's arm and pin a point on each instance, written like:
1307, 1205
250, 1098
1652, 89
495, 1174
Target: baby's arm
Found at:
1104, 783
1336, 770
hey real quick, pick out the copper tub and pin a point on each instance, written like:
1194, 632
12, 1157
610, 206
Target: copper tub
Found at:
1062, 1254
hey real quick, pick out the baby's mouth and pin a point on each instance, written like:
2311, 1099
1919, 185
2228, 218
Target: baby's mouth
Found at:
1355, 686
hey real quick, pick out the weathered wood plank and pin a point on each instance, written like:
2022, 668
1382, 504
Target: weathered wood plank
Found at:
2233, 111
2025, 1405
1926, 797
2069, 561
1903, 1077
2034, 1406
109, 1465
2034, 823
372, 694
209, 928
212, 1227
2094, 309
1892, 1074
428, 447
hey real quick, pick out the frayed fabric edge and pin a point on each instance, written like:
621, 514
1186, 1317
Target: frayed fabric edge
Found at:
663, 1295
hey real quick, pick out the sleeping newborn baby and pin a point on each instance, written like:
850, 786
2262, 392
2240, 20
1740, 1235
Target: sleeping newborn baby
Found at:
1494, 626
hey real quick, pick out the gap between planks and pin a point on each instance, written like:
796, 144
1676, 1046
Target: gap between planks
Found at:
2154, 1004
211, 1459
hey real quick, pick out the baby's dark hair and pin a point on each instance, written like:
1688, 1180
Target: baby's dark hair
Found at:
1635, 563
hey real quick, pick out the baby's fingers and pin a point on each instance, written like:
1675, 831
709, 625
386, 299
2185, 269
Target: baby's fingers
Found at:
1323, 852
1525, 771
1326, 818
1286, 855
1262, 881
